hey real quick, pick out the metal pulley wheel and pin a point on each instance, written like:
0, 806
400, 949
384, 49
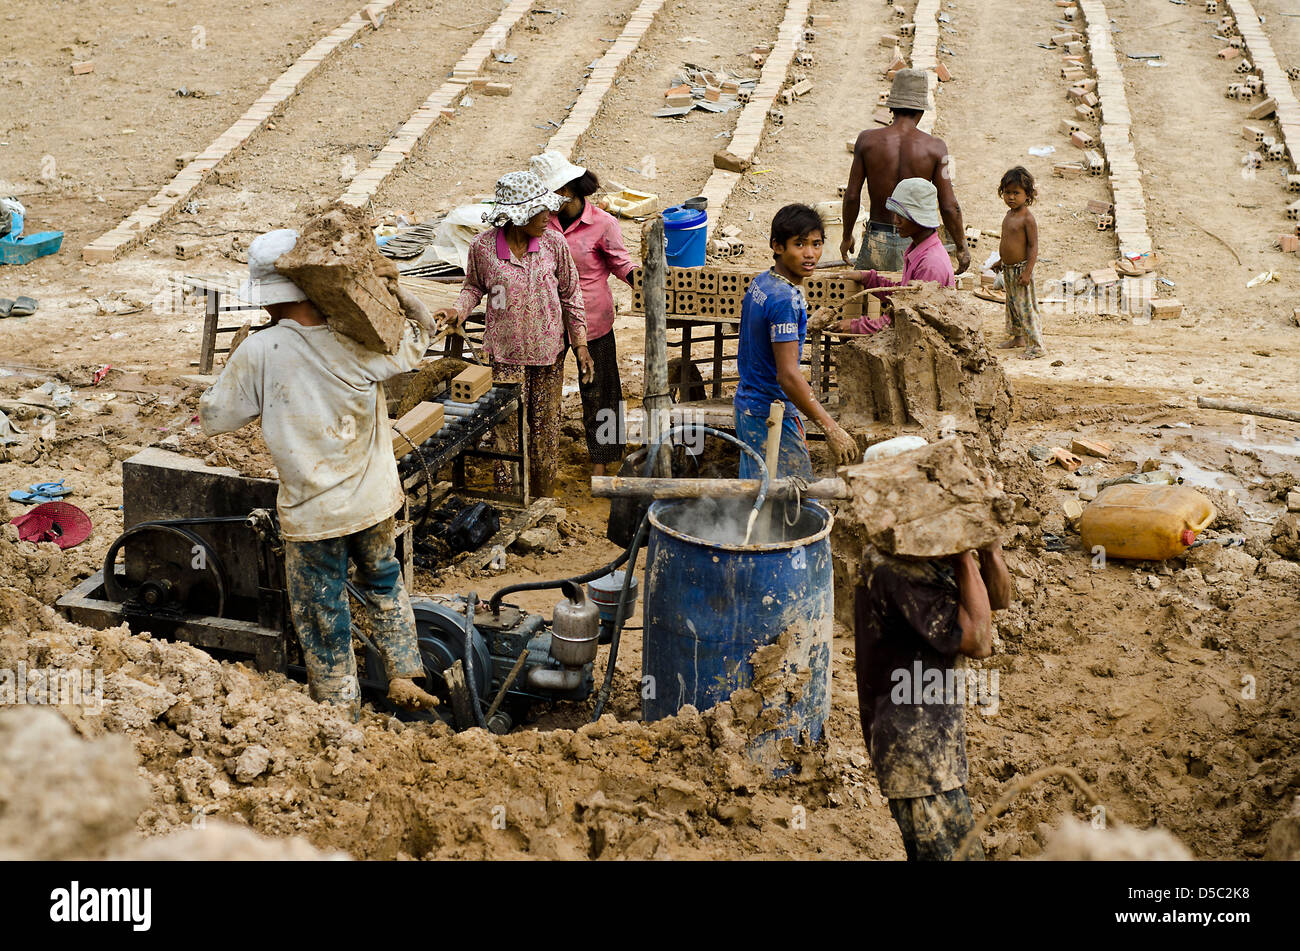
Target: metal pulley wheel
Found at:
185, 572
440, 633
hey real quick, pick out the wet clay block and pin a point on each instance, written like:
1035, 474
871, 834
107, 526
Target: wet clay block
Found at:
338, 265
926, 503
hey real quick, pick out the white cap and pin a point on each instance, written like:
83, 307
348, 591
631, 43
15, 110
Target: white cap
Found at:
916, 200
266, 285
554, 170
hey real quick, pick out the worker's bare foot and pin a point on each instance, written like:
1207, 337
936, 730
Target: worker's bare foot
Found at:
403, 692
1013, 343
1032, 353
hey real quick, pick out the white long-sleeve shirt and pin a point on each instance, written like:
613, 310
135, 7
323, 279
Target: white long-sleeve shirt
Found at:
321, 398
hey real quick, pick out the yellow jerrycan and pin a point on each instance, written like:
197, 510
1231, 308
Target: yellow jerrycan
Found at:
1145, 522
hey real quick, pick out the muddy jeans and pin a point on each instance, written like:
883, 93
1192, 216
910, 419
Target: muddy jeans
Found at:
793, 458
882, 248
933, 827
315, 573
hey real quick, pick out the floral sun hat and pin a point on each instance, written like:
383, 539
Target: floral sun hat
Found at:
519, 197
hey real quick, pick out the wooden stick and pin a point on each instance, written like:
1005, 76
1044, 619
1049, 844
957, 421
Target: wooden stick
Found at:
608, 487
775, 418
1249, 409
657, 402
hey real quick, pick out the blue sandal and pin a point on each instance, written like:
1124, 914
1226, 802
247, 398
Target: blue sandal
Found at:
40, 492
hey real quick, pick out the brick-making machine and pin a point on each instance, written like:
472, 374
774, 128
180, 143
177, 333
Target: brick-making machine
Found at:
201, 560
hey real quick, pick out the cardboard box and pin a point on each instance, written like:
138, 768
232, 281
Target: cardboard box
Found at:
415, 427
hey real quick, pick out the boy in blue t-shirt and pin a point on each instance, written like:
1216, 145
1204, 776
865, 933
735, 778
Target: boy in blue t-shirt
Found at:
773, 324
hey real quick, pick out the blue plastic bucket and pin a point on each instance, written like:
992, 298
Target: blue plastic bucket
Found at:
685, 230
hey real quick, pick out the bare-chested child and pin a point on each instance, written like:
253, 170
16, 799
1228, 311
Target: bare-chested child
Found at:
1019, 254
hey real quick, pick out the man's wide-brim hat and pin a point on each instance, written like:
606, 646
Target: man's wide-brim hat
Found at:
911, 90
519, 197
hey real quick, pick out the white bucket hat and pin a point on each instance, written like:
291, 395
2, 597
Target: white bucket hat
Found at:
555, 170
519, 197
916, 200
265, 285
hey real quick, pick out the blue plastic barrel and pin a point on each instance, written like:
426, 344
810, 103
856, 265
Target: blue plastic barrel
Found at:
711, 603
685, 230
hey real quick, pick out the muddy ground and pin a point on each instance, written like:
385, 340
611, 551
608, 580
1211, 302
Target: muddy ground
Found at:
1169, 687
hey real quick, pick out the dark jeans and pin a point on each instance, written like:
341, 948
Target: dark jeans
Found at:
933, 827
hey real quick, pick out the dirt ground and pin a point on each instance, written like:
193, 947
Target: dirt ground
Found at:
1169, 687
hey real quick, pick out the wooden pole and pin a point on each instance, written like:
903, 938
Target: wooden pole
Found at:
658, 405
775, 417
1249, 409
608, 487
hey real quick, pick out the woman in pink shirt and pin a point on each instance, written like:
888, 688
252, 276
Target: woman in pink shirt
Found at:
596, 241
534, 304
915, 204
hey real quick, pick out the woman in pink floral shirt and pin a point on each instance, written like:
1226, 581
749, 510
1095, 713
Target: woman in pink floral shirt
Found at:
534, 297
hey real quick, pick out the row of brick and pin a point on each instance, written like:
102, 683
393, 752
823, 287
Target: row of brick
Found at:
440, 105
753, 116
925, 54
167, 202
1277, 86
1116, 140
602, 78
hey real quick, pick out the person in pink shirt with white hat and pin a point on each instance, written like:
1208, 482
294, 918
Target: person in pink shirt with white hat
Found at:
915, 204
596, 242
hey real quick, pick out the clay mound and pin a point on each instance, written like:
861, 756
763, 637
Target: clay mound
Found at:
930, 369
61, 797
1076, 841
338, 265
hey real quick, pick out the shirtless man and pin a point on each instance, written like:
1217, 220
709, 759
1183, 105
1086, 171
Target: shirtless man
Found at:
883, 158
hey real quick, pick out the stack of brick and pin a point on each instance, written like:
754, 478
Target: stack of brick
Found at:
441, 104
178, 192
720, 291
1116, 123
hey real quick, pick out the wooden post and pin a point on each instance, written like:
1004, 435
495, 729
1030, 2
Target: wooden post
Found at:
657, 403
775, 419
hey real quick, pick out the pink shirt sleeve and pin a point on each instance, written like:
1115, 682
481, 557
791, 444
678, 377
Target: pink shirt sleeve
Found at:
474, 289
620, 262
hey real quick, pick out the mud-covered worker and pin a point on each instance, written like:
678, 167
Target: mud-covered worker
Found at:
884, 157
773, 324
914, 205
918, 619
325, 422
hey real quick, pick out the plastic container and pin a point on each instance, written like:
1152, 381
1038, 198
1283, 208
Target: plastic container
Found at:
684, 236
1145, 522
699, 203
711, 605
